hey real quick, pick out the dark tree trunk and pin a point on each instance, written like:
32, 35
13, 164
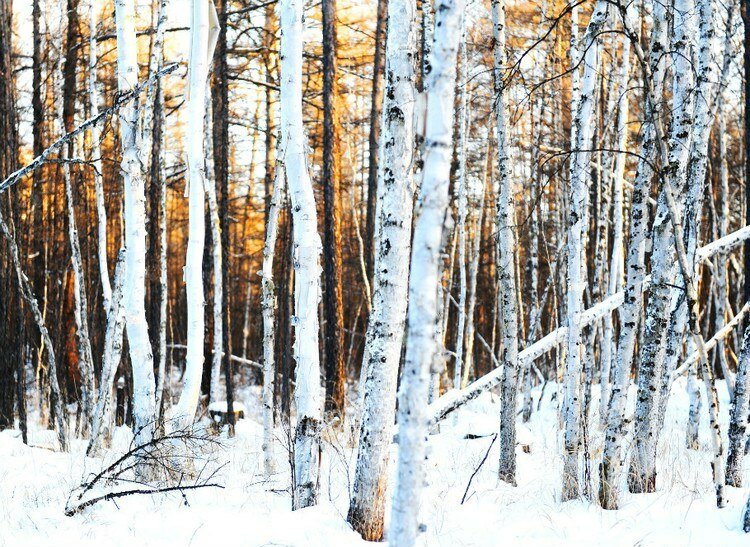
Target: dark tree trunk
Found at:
8, 162
220, 98
333, 305
283, 337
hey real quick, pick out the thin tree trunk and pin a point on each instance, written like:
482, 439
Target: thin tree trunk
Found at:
96, 158
616, 267
268, 305
506, 269
160, 291
578, 225
333, 306
378, 66
462, 200
101, 432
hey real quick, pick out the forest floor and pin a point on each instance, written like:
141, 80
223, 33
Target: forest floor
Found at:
35, 483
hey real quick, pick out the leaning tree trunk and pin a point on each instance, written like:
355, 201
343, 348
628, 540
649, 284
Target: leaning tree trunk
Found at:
64, 123
307, 393
392, 227
578, 226
425, 277
101, 429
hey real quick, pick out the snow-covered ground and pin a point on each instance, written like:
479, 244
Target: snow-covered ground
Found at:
35, 483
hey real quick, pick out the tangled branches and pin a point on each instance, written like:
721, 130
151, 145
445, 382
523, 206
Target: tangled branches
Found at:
166, 463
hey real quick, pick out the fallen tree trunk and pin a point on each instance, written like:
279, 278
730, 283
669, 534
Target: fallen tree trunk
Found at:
452, 400
725, 331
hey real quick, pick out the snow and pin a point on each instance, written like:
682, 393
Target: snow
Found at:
221, 406
35, 482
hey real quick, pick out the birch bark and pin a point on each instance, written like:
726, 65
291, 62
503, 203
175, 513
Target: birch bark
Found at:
424, 287
307, 270
577, 227
135, 228
393, 222
664, 270
268, 297
506, 268
202, 42
96, 158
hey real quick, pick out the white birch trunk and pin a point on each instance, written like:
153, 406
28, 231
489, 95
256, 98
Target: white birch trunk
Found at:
616, 267
393, 221
101, 430
578, 226
462, 208
664, 269
96, 158
738, 416
204, 31
144, 402
617, 427
506, 268
213, 215
268, 297
424, 286
685, 266
307, 247
155, 63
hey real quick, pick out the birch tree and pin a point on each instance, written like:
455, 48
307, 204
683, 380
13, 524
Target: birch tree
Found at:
154, 133
307, 247
616, 267
738, 416
96, 153
664, 270
268, 304
135, 228
617, 430
85, 359
393, 222
203, 34
506, 270
577, 228
424, 286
